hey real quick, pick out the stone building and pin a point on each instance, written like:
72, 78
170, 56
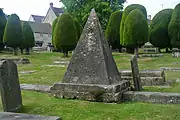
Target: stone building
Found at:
41, 26
42, 33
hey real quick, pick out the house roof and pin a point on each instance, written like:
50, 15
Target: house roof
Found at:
44, 28
57, 11
37, 18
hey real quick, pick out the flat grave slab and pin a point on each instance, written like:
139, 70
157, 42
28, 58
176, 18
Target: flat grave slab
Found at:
16, 116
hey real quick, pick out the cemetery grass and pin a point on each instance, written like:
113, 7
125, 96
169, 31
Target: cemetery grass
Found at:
44, 104
48, 75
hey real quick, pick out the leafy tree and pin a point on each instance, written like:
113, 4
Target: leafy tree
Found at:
13, 33
174, 27
159, 29
2, 27
135, 30
65, 34
112, 32
53, 27
79, 28
28, 37
126, 12
80, 9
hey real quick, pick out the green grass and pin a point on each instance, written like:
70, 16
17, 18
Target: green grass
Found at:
50, 75
43, 104
38, 103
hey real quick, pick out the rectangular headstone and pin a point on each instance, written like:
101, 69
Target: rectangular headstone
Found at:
135, 74
10, 87
15, 116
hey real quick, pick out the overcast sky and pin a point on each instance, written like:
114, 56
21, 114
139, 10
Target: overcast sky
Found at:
24, 8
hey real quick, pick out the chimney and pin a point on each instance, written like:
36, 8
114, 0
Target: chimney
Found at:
51, 5
149, 17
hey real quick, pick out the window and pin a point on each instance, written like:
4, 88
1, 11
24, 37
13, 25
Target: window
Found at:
49, 35
41, 35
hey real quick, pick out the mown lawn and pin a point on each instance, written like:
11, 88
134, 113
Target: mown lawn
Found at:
50, 74
43, 104
38, 103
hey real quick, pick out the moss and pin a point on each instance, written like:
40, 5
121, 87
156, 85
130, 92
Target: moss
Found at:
112, 32
159, 29
174, 27
98, 95
135, 29
126, 12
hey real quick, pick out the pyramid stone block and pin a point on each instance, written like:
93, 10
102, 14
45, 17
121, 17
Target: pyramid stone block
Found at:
92, 61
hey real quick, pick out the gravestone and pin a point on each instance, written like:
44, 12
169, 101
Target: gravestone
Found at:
135, 74
92, 72
176, 52
9, 87
92, 61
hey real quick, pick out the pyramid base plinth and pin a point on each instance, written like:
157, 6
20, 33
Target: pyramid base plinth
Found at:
91, 92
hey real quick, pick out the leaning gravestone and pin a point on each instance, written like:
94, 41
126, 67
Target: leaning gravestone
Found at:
92, 72
135, 74
9, 87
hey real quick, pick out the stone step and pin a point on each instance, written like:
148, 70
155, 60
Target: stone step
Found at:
144, 73
148, 81
37, 88
152, 97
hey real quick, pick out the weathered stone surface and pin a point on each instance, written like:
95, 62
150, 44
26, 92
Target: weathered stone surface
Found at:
176, 52
15, 116
152, 97
18, 61
9, 87
135, 74
91, 92
170, 69
37, 88
151, 55
27, 72
92, 61
148, 77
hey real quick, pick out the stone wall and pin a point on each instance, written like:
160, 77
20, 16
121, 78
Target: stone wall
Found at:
45, 38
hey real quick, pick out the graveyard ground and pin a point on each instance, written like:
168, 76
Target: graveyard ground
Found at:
47, 72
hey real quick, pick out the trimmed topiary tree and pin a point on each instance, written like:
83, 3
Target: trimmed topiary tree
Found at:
2, 27
13, 33
112, 32
65, 34
158, 32
126, 12
28, 37
174, 27
53, 28
135, 30
79, 28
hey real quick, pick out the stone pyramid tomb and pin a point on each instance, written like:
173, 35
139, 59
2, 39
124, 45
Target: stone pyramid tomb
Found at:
92, 71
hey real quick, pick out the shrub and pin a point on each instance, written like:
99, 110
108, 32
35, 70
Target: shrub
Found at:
13, 33
135, 29
65, 35
159, 29
112, 32
174, 27
79, 28
2, 27
126, 12
53, 28
28, 37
